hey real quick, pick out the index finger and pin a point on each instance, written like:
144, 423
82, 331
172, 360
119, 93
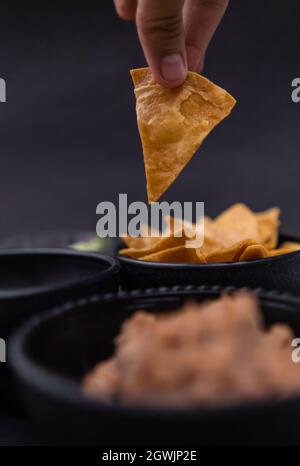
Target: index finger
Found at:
201, 19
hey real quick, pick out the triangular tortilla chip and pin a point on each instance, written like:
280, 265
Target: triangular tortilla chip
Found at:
290, 245
179, 254
165, 242
231, 254
142, 242
174, 122
279, 252
268, 224
237, 223
254, 252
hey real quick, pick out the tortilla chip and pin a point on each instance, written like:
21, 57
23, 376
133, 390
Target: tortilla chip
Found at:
201, 256
174, 122
279, 252
268, 224
231, 254
163, 243
253, 252
190, 229
290, 245
213, 237
175, 224
236, 224
142, 242
177, 255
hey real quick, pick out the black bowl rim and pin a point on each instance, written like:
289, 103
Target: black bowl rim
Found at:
113, 268
66, 390
212, 265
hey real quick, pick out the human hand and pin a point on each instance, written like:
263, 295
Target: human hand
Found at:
174, 33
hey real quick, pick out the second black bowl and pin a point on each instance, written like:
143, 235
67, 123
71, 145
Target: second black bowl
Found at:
51, 353
36, 279
32, 280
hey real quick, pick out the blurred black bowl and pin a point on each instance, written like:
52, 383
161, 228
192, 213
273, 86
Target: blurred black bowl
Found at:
35, 279
52, 352
280, 273
32, 280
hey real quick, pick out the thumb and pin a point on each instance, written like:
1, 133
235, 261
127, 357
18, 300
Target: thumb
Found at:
160, 29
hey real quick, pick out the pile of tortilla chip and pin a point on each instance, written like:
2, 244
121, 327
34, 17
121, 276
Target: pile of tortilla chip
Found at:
237, 234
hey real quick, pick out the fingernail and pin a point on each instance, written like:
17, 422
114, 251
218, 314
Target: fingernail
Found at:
172, 68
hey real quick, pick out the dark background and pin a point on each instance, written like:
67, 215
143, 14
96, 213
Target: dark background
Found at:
68, 133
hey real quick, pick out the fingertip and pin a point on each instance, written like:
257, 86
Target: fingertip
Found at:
200, 66
125, 15
126, 10
166, 83
172, 70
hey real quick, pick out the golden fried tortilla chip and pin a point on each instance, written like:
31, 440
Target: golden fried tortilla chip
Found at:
279, 252
166, 242
253, 252
179, 254
142, 242
192, 230
236, 224
214, 238
268, 224
174, 122
290, 245
231, 254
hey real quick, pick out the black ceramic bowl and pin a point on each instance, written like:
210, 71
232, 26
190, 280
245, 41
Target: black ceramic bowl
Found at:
280, 273
52, 352
32, 280
36, 279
